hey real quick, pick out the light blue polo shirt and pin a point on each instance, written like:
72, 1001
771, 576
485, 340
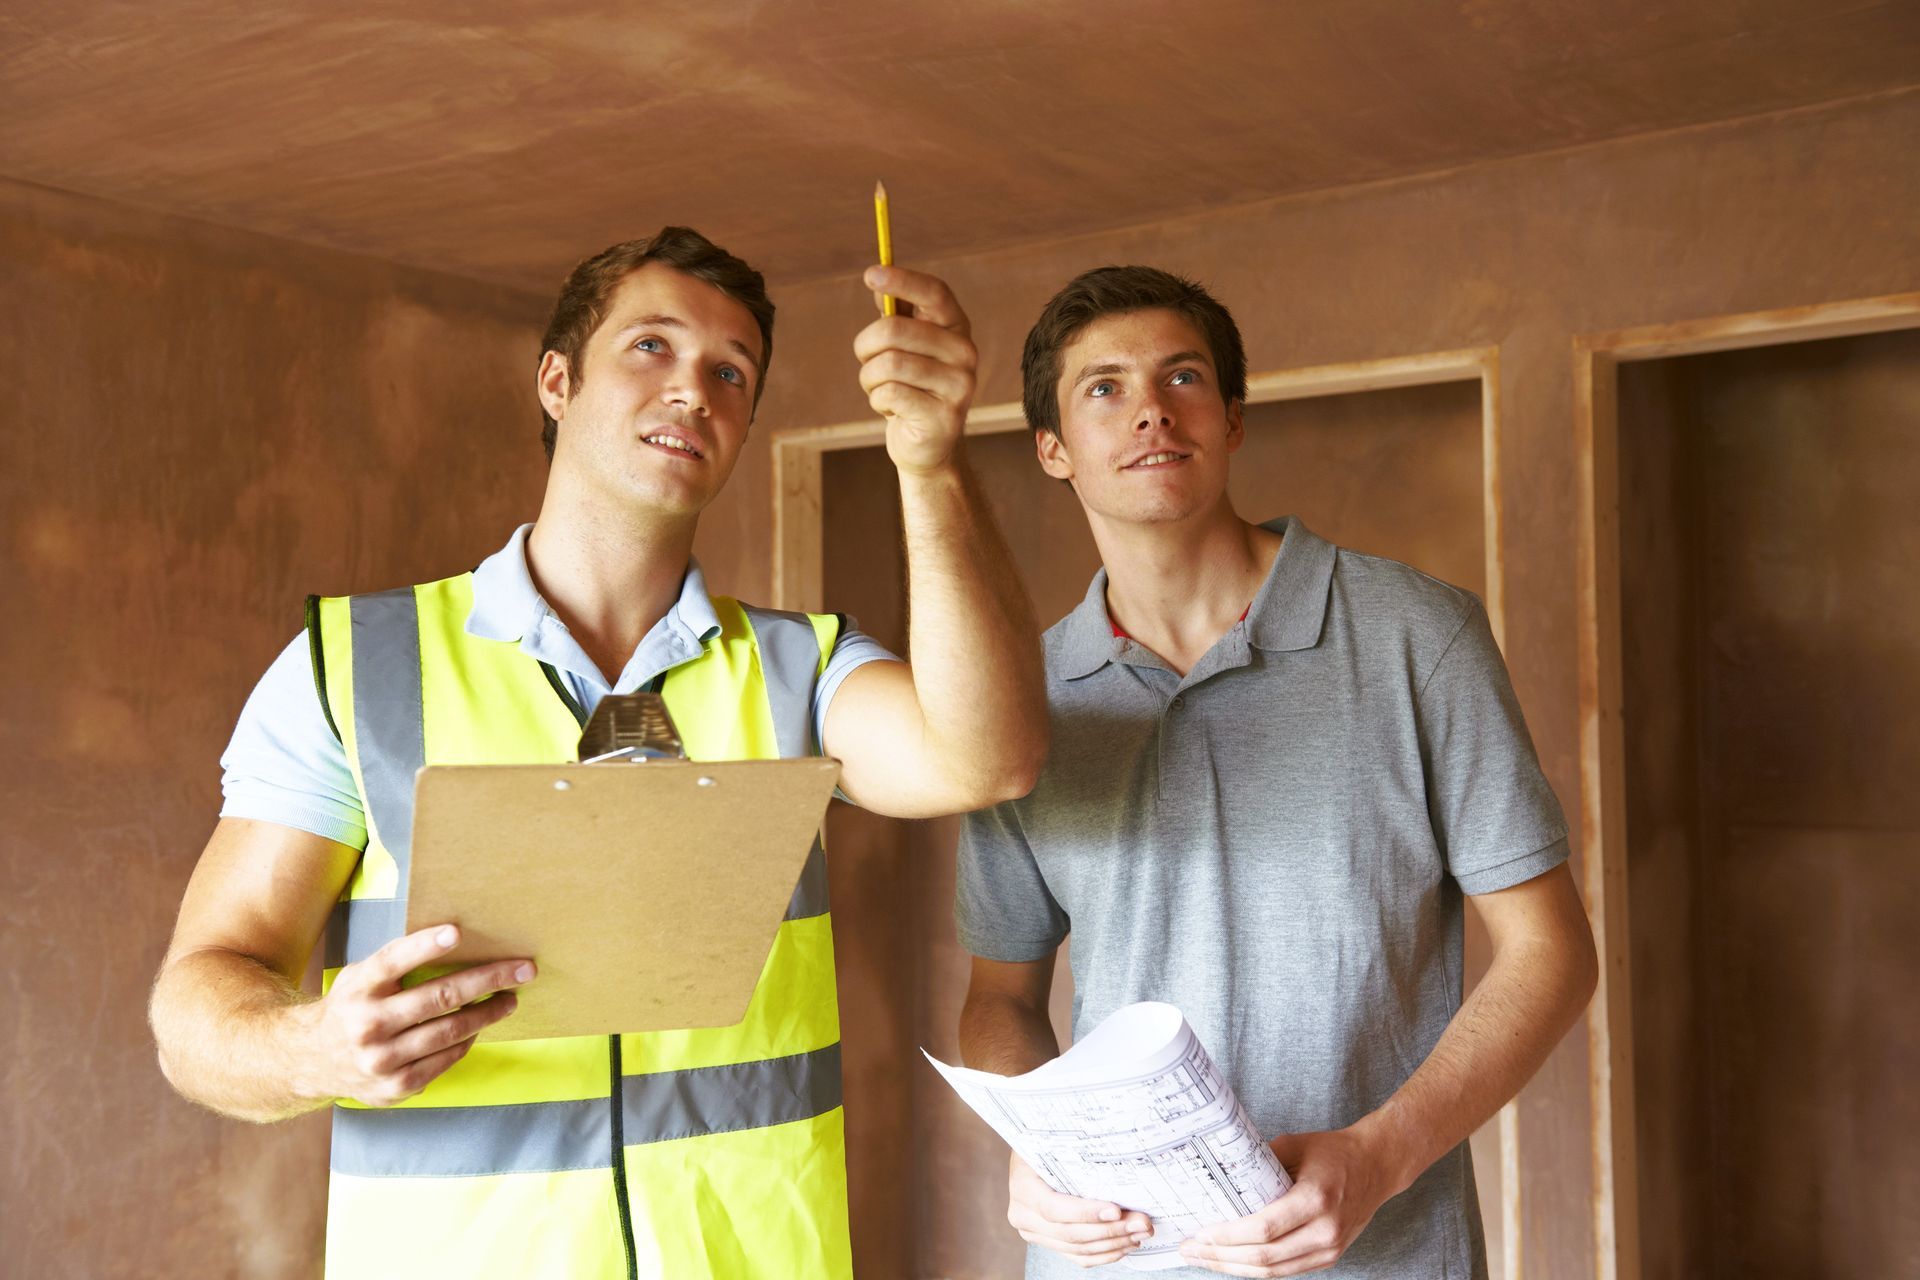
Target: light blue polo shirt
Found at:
285, 765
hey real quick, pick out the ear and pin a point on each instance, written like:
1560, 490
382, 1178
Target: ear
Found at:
553, 384
1052, 453
1236, 428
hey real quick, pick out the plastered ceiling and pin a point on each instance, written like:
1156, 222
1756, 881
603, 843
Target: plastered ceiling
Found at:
502, 140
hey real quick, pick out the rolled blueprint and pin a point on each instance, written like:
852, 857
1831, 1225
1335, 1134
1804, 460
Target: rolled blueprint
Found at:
1135, 1113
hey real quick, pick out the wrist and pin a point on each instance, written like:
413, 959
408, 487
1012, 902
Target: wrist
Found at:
1392, 1146
306, 1053
947, 474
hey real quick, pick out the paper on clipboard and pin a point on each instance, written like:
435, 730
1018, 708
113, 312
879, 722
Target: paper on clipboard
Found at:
648, 894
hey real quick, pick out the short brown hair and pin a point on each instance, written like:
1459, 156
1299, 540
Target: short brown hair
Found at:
1107, 291
582, 306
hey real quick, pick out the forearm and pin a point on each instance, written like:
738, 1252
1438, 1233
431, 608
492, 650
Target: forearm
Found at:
972, 641
230, 1033
1005, 1035
1501, 1035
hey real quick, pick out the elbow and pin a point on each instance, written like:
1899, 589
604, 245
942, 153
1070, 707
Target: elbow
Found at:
160, 1022
169, 1072
1019, 767
1578, 966
1586, 975
1017, 779
1008, 779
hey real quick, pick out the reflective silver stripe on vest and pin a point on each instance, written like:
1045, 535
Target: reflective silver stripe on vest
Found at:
361, 926
789, 660
810, 895
538, 1137
388, 720
389, 735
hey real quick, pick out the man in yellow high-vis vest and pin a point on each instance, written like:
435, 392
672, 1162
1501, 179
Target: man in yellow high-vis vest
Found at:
715, 1152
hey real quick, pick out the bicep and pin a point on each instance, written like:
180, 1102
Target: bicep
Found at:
262, 890
875, 728
1544, 910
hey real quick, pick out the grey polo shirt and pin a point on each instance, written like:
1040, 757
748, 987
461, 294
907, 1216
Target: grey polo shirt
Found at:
1278, 843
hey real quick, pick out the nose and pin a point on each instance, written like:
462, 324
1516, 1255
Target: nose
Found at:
685, 389
1152, 414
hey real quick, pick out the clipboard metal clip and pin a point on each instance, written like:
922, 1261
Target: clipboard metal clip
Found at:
630, 728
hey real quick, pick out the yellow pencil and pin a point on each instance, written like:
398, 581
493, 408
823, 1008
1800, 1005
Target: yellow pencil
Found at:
886, 240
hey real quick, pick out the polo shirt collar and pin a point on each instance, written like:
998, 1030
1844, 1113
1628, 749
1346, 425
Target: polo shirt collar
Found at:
507, 606
1287, 613
1087, 642
1291, 608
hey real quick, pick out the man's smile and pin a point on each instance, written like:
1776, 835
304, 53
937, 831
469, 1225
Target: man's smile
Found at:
673, 441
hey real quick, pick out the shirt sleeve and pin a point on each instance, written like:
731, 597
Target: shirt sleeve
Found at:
1497, 820
284, 763
854, 649
1002, 908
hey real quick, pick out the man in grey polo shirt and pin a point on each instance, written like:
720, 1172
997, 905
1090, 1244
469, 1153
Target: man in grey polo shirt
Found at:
1277, 769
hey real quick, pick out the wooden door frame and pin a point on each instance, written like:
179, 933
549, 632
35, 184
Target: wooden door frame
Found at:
1597, 358
798, 571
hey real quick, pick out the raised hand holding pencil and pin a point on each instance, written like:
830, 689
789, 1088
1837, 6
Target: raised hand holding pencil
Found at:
917, 361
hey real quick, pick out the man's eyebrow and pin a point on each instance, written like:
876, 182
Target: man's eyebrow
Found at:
662, 320
1098, 370
1185, 357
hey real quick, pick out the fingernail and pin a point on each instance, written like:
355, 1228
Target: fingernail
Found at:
1109, 1214
447, 936
523, 974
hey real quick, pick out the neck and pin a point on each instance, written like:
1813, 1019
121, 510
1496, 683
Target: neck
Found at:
1178, 587
606, 573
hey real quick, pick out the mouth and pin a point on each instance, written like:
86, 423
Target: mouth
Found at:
673, 442
1152, 461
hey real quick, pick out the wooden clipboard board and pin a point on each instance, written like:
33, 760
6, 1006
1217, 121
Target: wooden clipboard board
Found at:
647, 894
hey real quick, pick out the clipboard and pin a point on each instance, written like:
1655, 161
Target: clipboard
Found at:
648, 894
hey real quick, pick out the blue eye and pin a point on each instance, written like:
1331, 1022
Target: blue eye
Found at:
1185, 376
1101, 390
733, 375
649, 344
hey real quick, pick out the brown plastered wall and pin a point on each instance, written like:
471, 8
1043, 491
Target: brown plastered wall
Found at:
200, 427
1805, 208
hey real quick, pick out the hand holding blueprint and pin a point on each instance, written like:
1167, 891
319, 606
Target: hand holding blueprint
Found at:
1138, 1114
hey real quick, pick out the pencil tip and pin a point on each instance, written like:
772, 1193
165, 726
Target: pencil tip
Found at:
879, 190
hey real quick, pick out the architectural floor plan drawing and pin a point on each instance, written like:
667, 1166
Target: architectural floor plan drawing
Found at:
1138, 1114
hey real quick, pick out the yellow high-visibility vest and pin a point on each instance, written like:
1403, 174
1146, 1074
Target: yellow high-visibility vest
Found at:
706, 1152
